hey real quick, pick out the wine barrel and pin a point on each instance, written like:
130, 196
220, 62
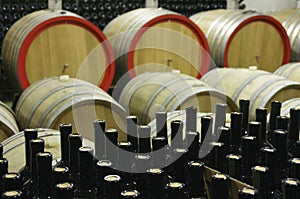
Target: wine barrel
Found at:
260, 87
8, 124
14, 147
149, 93
45, 44
289, 19
290, 71
240, 38
288, 104
153, 38
50, 102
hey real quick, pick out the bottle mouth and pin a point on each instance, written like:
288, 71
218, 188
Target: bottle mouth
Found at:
104, 163
112, 178
64, 185
130, 193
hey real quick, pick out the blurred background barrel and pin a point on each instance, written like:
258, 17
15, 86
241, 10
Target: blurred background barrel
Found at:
45, 44
289, 19
260, 87
179, 43
50, 102
149, 93
290, 71
14, 147
288, 104
8, 124
239, 38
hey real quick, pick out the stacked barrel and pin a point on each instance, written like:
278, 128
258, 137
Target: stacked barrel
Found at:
143, 63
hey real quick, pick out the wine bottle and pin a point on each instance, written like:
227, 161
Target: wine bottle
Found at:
294, 128
234, 167
75, 142
60, 174
161, 124
64, 190
294, 167
290, 188
176, 134
178, 168
280, 139
144, 139
103, 168
275, 111
155, 179
86, 173
192, 143
112, 186
29, 134
175, 190
219, 186
3, 166
36, 146
236, 131
261, 116
244, 109
220, 117
125, 156
65, 130
111, 144
206, 128
195, 180
247, 193
249, 152
132, 132
191, 119
99, 136
161, 152
44, 177
262, 182
217, 155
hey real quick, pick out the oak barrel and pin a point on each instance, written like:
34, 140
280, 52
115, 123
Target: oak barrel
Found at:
290, 20
50, 102
290, 71
152, 38
45, 44
8, 124
288, 104
260, 87
14, 147
239, 38
149, 93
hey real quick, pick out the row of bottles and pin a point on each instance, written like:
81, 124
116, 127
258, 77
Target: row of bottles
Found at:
169, 164
264, 154
191, 7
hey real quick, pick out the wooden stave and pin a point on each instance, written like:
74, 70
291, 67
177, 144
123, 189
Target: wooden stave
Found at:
18, 34
219, 54
286, 89
44, 113
138, 83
